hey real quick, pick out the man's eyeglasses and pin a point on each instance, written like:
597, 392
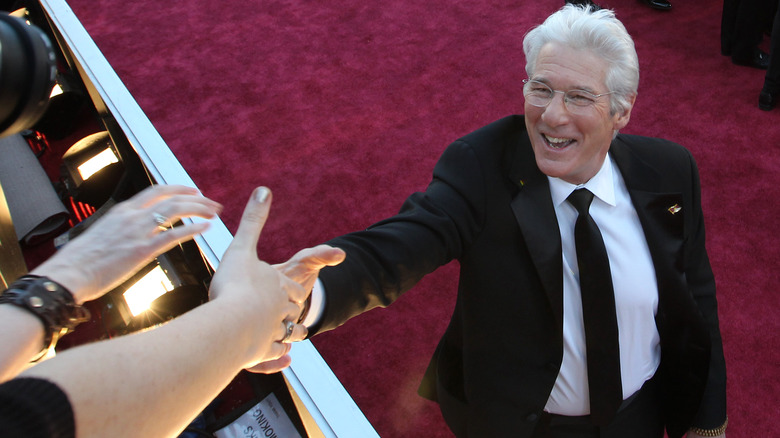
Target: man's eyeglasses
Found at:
540, 95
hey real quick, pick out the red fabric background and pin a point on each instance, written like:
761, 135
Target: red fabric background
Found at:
342, 108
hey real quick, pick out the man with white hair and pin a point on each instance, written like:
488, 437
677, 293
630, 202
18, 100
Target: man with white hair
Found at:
586, 305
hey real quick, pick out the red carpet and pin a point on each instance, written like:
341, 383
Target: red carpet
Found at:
342, 108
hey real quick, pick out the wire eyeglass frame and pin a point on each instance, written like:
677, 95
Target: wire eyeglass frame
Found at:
576, 101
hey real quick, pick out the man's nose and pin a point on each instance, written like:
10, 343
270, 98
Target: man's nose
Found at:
556, 112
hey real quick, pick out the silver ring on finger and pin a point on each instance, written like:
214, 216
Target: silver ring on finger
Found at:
289, 326
161, 221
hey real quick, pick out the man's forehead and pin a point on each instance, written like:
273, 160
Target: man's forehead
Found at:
558, 65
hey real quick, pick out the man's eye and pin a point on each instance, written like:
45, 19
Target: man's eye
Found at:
579, 98
541, 91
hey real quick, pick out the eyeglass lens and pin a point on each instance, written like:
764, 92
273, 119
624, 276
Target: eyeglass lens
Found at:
540, 95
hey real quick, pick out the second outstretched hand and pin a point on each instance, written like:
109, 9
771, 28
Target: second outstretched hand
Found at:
128, 237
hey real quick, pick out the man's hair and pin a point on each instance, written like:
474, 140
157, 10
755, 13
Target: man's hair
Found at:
584, 28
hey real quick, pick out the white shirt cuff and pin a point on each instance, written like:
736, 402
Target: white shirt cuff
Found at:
317, 305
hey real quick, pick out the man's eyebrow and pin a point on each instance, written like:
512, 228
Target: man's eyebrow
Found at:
586, 88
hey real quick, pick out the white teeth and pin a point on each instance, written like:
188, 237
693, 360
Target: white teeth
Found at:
557, 142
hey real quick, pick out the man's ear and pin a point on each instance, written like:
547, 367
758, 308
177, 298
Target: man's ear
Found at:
622, 118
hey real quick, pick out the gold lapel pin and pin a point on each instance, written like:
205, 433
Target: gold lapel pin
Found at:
674, 208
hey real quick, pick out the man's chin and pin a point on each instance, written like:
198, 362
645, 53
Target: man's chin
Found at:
551, 169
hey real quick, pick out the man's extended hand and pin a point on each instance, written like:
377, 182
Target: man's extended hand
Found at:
304, 267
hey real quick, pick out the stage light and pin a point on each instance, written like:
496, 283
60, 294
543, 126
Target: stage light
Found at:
91, 169
99, 161
152, 286
171, 285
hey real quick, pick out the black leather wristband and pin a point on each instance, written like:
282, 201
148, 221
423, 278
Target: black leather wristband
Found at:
50, 302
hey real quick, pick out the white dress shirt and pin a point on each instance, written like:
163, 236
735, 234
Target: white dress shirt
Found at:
634, 283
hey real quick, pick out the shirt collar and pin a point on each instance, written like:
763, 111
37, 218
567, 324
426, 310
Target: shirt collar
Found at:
602, 185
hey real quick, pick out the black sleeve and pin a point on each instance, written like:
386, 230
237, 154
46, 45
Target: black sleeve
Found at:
712, 412
33, 408
431, 229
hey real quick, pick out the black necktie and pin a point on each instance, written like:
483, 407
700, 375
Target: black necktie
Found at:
598, 311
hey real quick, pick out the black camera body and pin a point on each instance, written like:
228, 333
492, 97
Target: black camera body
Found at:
27, 74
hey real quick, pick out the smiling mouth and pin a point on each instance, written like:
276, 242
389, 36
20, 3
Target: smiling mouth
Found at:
557, 142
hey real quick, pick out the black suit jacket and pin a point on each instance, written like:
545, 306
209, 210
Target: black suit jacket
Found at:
489, 206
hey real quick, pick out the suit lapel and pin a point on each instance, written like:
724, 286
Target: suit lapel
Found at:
660, 213
535, 214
